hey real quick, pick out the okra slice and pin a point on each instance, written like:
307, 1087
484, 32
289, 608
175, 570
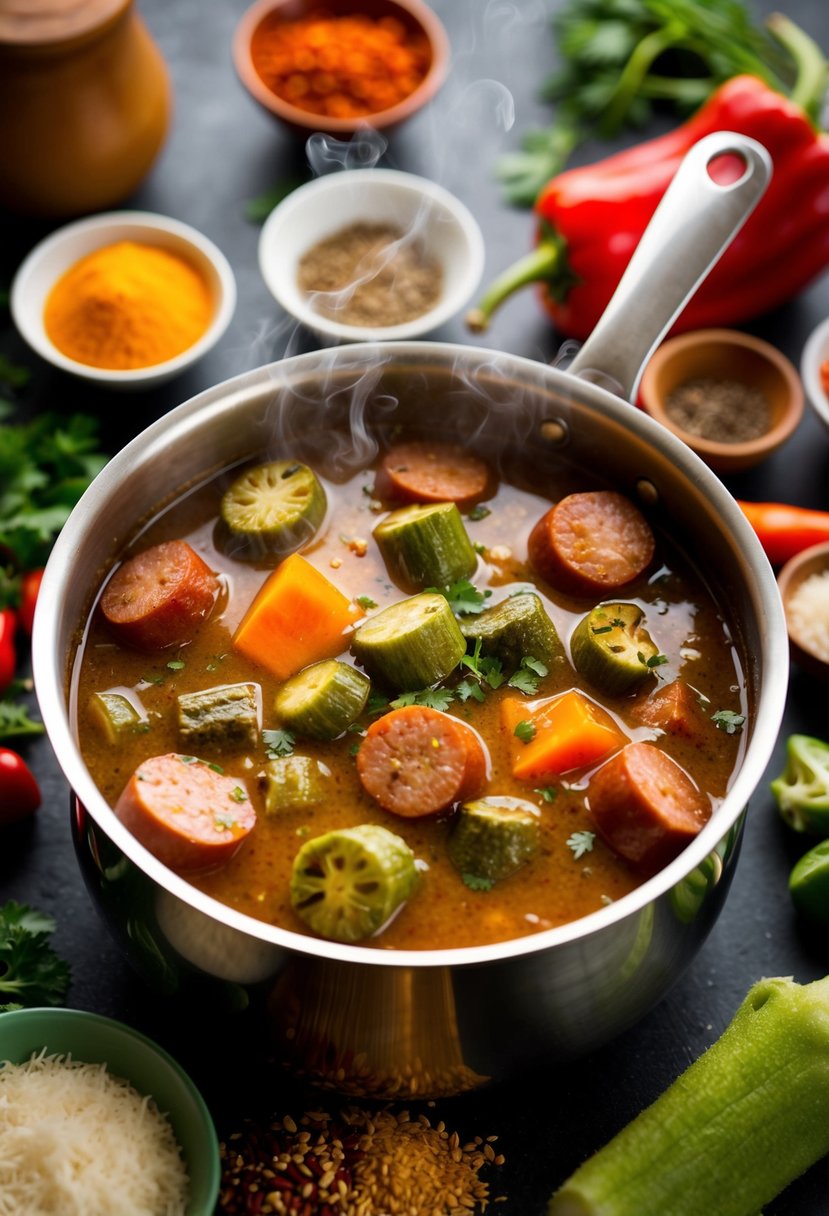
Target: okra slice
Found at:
516, 627
224, 718
346, 884
426, 545
274, 508
494, 837
411, 644
115, 715
293, 783
612, 649
322, 700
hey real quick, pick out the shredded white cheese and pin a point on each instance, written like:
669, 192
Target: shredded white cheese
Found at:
808, 611
77, 1141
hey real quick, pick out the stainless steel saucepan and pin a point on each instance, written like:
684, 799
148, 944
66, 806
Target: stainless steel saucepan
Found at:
433, 1022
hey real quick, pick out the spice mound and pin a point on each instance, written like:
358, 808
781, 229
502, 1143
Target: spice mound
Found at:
128, 305
371, 275
341, 67
724, 411
359, 1164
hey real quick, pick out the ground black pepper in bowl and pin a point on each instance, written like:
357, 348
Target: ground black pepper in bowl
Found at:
725, 411
370, 275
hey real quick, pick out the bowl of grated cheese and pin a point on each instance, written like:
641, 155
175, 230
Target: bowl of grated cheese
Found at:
95, 1117
804, 589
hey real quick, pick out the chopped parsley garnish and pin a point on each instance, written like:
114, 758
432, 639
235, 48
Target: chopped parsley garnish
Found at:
656, 660
486, 670
476, 883
479, 512
376, 703
469, 689
581, 843
238, 794
176, 664
547, 792
365, 602
278, 743
526, 679
727, 720
432, 698
15, 721
464, 597
525, 730
31, 973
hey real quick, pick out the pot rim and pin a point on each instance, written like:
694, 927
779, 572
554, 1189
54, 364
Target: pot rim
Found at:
50, 669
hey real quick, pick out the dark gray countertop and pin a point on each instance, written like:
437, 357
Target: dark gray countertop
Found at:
222, 151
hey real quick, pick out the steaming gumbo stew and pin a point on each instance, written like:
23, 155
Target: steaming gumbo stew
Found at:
449, 699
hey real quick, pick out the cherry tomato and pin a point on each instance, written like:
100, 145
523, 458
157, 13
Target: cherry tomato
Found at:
8, 654
29, 590
19, 792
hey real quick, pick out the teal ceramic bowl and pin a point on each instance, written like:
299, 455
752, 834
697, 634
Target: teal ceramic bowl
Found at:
128, 1054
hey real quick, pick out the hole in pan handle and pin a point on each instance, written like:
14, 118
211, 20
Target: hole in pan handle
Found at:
700, 213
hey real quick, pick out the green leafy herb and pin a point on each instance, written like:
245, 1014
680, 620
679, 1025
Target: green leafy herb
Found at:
581, 843
525, 730
727, 720
258, 209
656, 660
485, 669
470, 689
479, 512
476, 883
238, 794
547, 792
622, 58
31, 973
15, 721
526, 679
278, 743
377, 702
464, 597
176, 664
365, 602
432, 698
13, 374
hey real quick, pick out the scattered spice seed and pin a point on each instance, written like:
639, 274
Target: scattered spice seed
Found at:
724, 411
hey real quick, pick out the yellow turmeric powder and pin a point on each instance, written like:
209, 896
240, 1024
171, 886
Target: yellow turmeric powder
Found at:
128, 305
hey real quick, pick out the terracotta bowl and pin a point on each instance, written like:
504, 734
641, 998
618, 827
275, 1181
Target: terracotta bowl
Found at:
814, 560
815, 353
415, 15
725, 354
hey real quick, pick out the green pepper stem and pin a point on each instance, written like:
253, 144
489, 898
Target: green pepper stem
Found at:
810, 63
534, 267
747, 1117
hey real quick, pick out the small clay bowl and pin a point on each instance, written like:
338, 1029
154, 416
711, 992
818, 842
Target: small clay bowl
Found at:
725, 354
816, 353
814, 560
416, 17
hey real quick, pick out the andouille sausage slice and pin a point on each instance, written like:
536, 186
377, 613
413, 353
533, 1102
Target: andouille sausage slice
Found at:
417, 761
432, 472
186, 813
159, 597
591, 542
676, 709
645, 807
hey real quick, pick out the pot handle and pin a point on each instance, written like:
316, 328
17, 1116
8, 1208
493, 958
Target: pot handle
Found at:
694, 224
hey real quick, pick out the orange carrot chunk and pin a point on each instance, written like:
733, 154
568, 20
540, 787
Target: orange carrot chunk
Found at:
297, 618
558, 734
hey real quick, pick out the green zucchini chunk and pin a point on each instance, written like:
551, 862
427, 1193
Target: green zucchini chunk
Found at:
224, 718
494, 837
274, 508
426, 546
115, 715
612, 649
411, 644
346, 884
322, 700
516, 627
293, 783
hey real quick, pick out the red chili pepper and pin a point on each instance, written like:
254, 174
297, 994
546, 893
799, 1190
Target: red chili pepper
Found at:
592, 218
8, 654
29, 591
784, 531
19, 792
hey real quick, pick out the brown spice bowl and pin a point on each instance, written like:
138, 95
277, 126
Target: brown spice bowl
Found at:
415, 16
790, 580
725, 354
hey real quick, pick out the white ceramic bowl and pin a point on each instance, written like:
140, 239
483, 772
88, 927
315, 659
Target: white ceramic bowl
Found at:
445, 228
816, 352
54, 255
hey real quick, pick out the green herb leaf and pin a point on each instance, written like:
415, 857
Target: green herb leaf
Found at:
278, 743
525, 730
31, 973
464, 597
478, 512
470, 689
377, 702
176, 664
528, 676
581, 843
238, 794
432, 698
365, 602
476, 883
15, 722
727, 720
547, 792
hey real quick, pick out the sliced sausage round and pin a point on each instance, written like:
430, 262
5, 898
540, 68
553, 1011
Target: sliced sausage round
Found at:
645, 807
676, 709
159, 597
432, 472
417, 761
591, 543
187, 814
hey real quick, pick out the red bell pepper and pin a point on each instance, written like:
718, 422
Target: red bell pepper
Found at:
783, 530
592, 218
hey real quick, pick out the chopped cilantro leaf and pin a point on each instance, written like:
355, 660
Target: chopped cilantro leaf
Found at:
476, 883
176, 664
376, 703
15, 721
581, 843
238, 794
727, 720
528, 675
432, 698
464, 598
278, 743
470, 689
365, 602
547, 792
31, 973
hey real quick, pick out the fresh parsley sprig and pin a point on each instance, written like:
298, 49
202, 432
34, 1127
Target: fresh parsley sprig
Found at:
31, 973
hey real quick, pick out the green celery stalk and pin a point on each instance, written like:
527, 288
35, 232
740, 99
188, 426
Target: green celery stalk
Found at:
747, 1117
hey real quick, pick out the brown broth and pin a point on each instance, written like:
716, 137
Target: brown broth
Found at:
553, 888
